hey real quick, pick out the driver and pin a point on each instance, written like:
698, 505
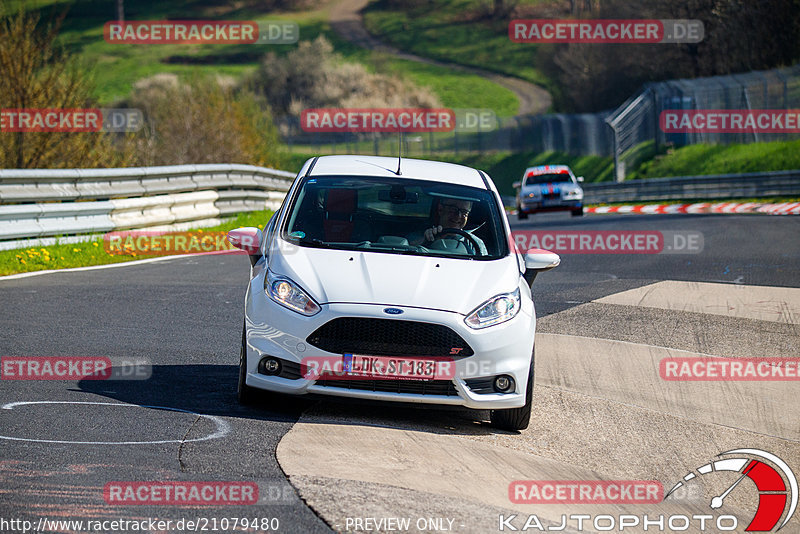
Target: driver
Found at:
450, 213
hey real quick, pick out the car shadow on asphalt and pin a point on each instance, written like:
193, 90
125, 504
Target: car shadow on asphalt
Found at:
201, 388
211, 390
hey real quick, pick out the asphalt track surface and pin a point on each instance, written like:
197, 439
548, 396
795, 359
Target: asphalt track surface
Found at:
185, 315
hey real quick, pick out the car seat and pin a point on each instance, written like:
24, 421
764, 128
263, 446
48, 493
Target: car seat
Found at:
340, 206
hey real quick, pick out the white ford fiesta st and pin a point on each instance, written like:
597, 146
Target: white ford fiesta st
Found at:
391, 280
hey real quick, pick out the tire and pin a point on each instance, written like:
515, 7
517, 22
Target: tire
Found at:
244, 393
516, 418
521, 215
578, 212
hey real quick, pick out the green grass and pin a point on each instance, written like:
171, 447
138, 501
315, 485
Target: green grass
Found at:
722, 159
116, 67
458, 31
294, 160
454, 89
87, 253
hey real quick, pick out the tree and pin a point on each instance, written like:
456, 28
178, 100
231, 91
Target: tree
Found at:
36, 75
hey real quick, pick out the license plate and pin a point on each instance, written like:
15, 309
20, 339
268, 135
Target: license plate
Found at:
390, 367
551, 202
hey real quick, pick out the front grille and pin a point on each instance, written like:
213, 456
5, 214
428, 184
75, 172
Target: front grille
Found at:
290, 370
410, 387
388, 337
481, 385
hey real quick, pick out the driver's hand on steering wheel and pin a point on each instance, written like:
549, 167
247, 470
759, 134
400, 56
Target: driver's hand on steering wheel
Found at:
430, 233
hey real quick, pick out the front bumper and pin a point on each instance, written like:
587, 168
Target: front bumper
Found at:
532, 206
272, 330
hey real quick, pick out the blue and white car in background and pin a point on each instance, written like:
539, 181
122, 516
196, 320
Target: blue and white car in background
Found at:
549, 188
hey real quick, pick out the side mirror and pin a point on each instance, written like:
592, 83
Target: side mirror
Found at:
580, 178
538, 261
247, 239
516, 185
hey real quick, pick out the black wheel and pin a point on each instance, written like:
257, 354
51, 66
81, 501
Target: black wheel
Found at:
246, 394
521, 214
516, 418
578, 212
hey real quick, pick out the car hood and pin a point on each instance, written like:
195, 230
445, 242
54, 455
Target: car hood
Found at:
455, 285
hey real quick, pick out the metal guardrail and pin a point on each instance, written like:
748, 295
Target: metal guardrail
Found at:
36, 204
749, 185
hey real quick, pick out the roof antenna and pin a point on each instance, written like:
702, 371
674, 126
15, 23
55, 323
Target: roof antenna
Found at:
399, 154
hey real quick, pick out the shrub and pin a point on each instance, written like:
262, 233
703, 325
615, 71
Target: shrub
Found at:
313, 75
204, 120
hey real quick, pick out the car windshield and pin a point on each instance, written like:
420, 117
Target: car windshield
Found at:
391, 215
551, 178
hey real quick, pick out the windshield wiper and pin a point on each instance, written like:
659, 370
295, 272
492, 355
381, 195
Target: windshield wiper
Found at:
319, 243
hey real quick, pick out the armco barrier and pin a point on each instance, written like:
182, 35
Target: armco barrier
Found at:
38, 204
755, 185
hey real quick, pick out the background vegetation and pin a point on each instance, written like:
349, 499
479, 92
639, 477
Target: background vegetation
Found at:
740, 36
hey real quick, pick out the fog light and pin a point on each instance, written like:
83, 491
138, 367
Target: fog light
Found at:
503, 384
269, 366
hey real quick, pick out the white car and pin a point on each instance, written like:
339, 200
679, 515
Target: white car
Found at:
549, 188
350, 296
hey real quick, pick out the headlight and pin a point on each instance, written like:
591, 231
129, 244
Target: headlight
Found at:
494, 311
573, 193
288, 294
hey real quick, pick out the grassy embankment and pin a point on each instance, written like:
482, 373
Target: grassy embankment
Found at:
116, 67
92, 252
459, 31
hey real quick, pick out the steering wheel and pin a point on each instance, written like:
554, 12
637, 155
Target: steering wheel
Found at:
459, 231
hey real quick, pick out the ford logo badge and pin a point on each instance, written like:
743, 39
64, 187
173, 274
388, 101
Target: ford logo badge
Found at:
392, 311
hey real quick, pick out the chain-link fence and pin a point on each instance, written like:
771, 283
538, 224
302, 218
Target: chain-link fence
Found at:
585, 133
638, 133
632, 133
